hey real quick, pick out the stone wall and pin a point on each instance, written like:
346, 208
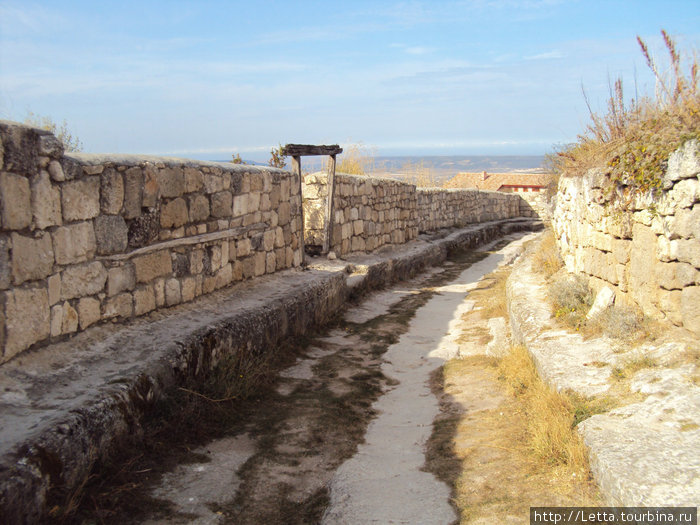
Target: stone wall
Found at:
442, 208
368, 212
650, 254
86, 238
373, 212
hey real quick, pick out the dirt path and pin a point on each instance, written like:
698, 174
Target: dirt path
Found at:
342, 435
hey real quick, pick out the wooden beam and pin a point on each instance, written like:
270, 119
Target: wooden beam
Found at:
329, 205
296, 168
297, 150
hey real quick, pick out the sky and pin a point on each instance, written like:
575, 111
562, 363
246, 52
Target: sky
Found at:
207, 79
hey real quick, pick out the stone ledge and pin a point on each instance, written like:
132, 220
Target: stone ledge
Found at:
64, 405
642, 454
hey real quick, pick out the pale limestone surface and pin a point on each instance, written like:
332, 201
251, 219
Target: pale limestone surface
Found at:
642, 454
384, 481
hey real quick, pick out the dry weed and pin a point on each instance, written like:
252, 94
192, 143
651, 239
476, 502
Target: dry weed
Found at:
632, 141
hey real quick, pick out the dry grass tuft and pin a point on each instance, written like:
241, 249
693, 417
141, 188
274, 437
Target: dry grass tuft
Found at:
547, 259
632, 141
356, 159
551, 416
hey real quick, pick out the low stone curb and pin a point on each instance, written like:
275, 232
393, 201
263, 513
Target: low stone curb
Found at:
641, 454
65, 405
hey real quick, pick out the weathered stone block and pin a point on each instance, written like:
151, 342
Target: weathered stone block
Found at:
260, 263
151, 187
80, 199
224, 276
74, 243
199, 208
83, 280
152, 265
88, 311
188, 289
159, 292
112, 192
270, 262
670, 304
111, 234
221, 204
689, 251
174, 214
676, 275
5, 263
32, 258
144, 230
120, 278
54, 285
283, 213
243, 248
684, 163
268, 240
69, 320
213, 183
27, 319
171, 181
46, 201
15, 201
94, 169
173, 293
133, 193
56, 320
240, 205
144, 300
690, 308
193, 180
118, 306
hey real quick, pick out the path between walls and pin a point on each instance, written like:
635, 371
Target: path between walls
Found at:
346, 428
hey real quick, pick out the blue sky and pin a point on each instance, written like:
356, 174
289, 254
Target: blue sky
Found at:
207, 79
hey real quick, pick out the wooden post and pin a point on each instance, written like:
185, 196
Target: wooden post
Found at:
329, 205
296, 168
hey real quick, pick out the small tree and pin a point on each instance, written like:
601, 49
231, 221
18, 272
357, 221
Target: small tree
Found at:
277, 158
237, 159
70, 143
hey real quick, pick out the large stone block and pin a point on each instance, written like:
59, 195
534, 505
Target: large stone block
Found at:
5, 263
689, 251
88, 311
118, 306
80, 199
120, 279
32, 257
15, 201
151, 187
171, 181
133, 193
199, 208
152, 265
21, 145
111, 234
676, 275
174, 214
221, 204
83, 280
27, 319
173, 294
112, 192
144, 230
74, 243
144, 300
193, 180
46, 201
690, 308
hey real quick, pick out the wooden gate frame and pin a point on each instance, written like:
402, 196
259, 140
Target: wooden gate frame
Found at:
296, 151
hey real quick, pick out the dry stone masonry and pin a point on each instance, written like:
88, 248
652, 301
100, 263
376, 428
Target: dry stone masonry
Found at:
373, 212
649, 254
88, 238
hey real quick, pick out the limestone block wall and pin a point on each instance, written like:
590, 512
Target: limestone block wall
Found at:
535, 204
87, 238
650, 254
443, 208
373, 212
368, 212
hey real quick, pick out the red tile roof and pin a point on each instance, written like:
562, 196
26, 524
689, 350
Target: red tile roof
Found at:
494, 181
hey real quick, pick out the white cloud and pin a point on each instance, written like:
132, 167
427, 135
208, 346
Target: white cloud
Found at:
546, 56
